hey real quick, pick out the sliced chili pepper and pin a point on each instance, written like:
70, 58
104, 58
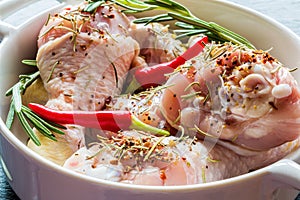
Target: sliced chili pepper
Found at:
104, 120
155, 75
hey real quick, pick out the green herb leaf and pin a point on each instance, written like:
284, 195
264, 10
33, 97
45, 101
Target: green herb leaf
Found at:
46, 124
157, 18
52, 70
27, 80
170, 5
17, 97
30, 62
10, 116
24, 82
24, 113
91, 7
38, 124
184, 25
136, 6
28, 128
189, 33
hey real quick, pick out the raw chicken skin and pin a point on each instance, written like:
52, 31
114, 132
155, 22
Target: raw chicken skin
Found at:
235, 94
174, 160
157, 44
91, 75
106, 19
76, 80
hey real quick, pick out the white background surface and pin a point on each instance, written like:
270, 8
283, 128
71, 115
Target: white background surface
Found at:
286, 12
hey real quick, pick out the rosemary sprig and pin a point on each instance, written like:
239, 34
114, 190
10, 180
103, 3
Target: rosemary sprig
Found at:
214, 29
183, 16
24, 82
24, 114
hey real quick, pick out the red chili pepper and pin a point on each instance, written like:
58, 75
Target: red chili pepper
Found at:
155, 75
104, 120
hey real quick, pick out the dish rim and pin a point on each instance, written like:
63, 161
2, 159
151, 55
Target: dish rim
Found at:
21, 147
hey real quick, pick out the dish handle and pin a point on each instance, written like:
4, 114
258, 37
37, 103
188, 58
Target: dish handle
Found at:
6, 9
5, 30
15, 14
285, 174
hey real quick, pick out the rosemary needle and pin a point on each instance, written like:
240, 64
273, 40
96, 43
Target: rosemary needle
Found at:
10, 116
17, 97
28, 128
30, 62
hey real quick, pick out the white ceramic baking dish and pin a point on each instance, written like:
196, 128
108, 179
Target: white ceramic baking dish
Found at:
33, 177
